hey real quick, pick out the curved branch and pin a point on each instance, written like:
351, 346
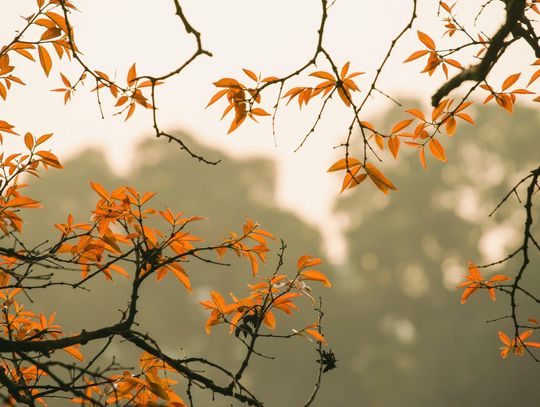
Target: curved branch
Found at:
497, 46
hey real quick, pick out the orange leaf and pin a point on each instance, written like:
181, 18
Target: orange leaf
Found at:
342, 164
417, 113
437, 149
416, 55
422, 154
349, 177
426, 40
21, 202
269, 319
344, 70
65, 80
316, 335
24, 53
378, 178
499, 278
401, 125
254, 263
217, 96
368, 125
147, 196
119, 270
302, 261
357, 180
315, 276
132, 74
59, 20
467, 293
102, 192
465, 117
380, 141
50, 33
454, 63
251, 74
181, 275
73, 351
524, 335
451, 126
505, 339
393, 146
439, 109
237, 122
130, 111
259, 112
463, 106
3, 91
533, 344
29, 140
522, 92
43, 139
446, 6
49, 159
121, 100
345, 96
534, 77
103, 75
45, 60
510, 81
158, 388
323, 75
227, 83
312, 261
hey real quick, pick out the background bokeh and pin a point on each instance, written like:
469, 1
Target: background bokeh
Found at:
393, 317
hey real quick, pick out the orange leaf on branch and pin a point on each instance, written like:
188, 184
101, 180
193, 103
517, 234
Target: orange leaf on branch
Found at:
517, 345
476, 281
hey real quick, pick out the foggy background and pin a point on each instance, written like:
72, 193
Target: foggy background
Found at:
393, 317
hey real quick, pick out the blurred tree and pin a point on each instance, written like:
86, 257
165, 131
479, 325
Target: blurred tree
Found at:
412, 343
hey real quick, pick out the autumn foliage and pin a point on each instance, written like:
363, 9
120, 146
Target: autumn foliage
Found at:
128, 237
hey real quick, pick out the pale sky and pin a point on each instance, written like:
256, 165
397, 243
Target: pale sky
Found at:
274, 38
